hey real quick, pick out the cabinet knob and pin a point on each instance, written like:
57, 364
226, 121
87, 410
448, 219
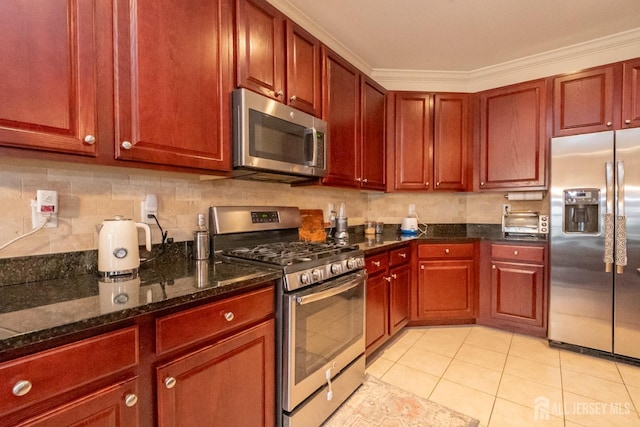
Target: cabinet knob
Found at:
130, 400
229, 316
376, 263
627, 122
358, 179
437, 183
422, 267
402, 255
279, 93
90, 139
365, 180
293, 98
395, 276
515, 252
493, 267
170, 382
426, 184
609, 124
388, 279
21, 388
126, 145
446, 251
481, 184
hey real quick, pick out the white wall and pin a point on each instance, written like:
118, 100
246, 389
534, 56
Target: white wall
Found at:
89, 194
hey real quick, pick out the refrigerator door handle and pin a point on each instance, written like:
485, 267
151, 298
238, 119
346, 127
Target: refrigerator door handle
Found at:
609, 220
621, 222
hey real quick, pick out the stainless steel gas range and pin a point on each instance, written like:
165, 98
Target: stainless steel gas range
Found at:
320, 307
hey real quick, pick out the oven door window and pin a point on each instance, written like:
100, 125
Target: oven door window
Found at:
275, 139
325, 327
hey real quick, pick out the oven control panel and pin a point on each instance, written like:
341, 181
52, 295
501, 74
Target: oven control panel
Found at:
320, 273
264, 217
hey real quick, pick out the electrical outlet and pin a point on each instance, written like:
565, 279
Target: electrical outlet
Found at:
506, 208
412, 209
149, 206
45, 205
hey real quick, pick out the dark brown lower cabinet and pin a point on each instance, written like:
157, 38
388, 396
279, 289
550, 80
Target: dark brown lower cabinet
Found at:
514, 292
230, 383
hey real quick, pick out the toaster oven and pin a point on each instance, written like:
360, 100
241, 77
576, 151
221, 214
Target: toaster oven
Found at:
525, 223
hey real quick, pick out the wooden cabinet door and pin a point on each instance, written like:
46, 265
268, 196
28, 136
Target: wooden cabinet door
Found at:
341, 110
583, 102
260, 44
231, 383
513, 136
399, 297
303, 83
517, 293
48, 83
413, 136
631, 94
377, 309
373, 149
451, 152
172, 80
446, 289
113, 406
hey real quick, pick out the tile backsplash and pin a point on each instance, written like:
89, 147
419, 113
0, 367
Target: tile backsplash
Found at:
88, 194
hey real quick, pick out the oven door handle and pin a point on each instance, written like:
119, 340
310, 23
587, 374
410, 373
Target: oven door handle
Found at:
329, 292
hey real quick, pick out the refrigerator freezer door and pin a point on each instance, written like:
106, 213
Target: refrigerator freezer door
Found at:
626, 333
581, 291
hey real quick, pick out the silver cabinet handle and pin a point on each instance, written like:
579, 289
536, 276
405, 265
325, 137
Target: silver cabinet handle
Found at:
90, 139
493, 266
376, 263
293, 98
126, 145
446, 251
515, 252
422, 267
279, 93
170, 382
21, 388
402, 255
395, 276
358, 179
609, 124
481, 184
426, 184
388, 279
365, 180
229, 316
130, 400
628, 121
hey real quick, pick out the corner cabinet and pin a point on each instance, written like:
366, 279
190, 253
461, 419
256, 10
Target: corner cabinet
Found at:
388, 295
514, 293
446, 290
432, 141
48, 76
513, 137
173, 81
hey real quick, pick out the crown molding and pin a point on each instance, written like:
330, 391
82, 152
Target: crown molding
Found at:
613, 48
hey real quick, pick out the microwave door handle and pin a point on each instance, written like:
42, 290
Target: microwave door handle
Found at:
313, 133
307, 299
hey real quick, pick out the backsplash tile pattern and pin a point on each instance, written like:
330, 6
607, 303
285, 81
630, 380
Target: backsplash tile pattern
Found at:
89, 194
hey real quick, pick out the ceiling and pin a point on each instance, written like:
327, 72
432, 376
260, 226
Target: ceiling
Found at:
459, 35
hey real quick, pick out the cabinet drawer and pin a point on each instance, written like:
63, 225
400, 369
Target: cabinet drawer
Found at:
376, 263
518, 253
197, 324
446, 250
399, 256
49, 373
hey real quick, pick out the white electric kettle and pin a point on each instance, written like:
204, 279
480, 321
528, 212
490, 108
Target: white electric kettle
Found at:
118, 253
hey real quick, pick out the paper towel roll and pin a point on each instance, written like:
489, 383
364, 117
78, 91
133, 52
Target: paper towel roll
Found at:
528, 195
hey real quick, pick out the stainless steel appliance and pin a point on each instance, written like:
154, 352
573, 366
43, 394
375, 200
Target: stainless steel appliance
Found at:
320, 307
274, 142
525, 223
595, 242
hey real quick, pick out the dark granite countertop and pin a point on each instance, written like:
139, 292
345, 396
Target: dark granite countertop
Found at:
39, 310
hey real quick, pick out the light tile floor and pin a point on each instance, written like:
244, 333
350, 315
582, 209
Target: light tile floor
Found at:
508, 379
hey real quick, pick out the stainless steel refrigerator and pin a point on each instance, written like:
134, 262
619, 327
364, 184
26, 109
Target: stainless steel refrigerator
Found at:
594, 298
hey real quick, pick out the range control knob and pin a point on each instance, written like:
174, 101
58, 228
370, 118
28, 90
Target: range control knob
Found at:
305, 278
352, 263
336, 268
316, 275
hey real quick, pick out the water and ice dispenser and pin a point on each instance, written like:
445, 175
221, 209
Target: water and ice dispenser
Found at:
581, 210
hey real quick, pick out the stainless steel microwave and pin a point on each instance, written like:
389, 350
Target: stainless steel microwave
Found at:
274, 142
